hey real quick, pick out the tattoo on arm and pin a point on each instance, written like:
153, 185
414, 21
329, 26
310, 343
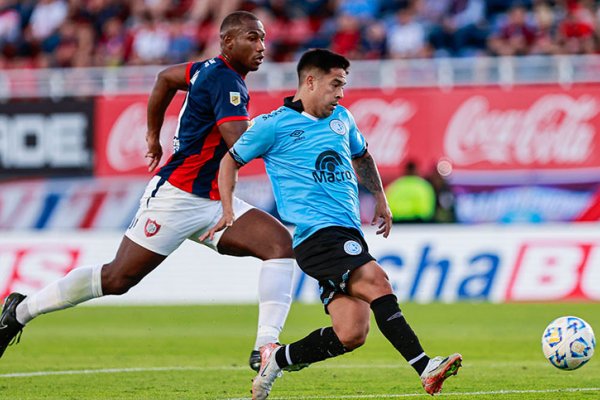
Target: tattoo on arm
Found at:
367, 173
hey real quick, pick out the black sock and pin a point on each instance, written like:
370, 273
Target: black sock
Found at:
394, 327
317, 346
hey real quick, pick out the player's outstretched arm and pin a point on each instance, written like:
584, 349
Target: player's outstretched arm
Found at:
167, 83
367, 173
228, 172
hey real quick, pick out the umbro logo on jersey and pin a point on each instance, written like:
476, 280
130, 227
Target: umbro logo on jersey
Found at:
297, 135
235, 98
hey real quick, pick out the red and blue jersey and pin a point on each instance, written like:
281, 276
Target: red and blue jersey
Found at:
216, 94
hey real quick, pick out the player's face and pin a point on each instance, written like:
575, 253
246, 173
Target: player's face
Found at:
248, 46
328, 91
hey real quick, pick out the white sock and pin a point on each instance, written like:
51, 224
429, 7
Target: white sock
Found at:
274, 297
79, 285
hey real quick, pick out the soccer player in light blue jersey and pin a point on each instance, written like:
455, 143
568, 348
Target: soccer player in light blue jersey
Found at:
315, 155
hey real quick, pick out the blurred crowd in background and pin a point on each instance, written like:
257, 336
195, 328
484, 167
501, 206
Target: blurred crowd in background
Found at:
82, 33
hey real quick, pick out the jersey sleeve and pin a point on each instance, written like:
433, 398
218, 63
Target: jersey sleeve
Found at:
229, 98
192, 68
255, 142
358, 144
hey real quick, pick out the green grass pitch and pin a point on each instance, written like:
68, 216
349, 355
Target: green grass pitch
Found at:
200, 352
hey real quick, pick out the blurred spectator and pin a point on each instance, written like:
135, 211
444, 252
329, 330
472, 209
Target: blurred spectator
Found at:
10, 23
101, 11
113, 48
373, 44
462, 24
411, 198
150, 41
391, 7
182, 43
406, 36
289, 32
66, 49
544, 41
346, 39
205, 13
431, 12
47, 16
576, 31
365, 10
516, 36
497, 9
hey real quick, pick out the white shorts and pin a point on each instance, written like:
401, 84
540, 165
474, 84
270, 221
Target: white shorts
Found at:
168, 215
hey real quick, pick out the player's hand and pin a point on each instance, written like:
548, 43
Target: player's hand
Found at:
383, 215
225, 222
154, 153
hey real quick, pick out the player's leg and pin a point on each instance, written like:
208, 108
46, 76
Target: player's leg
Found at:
144, 246
256, 233
370, 283
130, 265
350, 320
350, 326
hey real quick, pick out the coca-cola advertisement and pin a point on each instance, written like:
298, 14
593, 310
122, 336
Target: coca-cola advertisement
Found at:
121, 127
527, 153
488, 135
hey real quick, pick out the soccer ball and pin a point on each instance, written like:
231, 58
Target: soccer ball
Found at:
568, 342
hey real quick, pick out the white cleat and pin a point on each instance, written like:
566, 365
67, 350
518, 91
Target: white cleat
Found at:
437, 370
268, 372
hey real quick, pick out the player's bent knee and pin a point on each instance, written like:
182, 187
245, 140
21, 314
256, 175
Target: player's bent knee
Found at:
116, 283
280, 249
117, 286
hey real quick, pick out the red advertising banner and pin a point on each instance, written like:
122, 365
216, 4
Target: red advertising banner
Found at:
120, 139
541, 128
545, 129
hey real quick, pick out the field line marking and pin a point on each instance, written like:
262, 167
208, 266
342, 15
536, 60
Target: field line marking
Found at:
191, 368
113, 371
233, 368
446, 394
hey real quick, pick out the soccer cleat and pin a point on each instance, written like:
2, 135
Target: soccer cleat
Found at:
254, 360
269, 371
10, 328
437, 370
254, 363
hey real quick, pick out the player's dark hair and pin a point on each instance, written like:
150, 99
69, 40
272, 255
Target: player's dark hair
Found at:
235, 19
322, 59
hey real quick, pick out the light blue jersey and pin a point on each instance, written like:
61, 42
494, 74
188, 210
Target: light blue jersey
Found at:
309, 163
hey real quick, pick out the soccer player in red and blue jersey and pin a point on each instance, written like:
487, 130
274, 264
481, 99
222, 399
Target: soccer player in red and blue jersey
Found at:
182, 200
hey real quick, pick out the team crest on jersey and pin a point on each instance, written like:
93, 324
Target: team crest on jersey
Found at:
151, 228
235, 98
352, 247
338, 126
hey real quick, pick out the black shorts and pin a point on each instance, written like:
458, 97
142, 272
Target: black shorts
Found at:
329, 255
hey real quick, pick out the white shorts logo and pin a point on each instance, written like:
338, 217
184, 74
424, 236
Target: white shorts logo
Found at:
352, 247
151, 228
338, 126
